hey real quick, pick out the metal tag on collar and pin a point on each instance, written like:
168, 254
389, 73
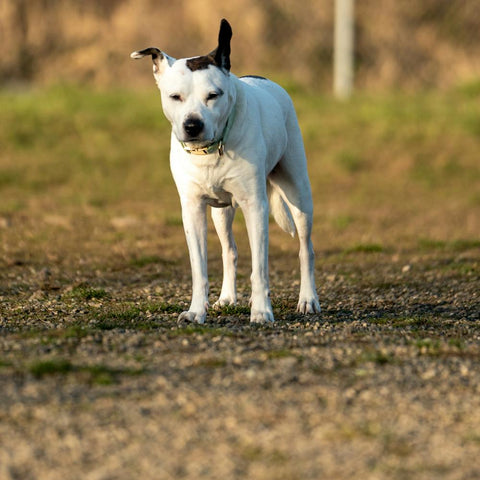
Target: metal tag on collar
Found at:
221, 148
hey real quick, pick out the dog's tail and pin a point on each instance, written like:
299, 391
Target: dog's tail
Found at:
279, 209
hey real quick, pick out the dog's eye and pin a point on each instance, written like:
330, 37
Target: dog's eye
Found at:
176, 97
214, 95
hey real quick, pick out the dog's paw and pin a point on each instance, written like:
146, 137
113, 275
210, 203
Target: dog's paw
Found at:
257, 316
223, 302
192, 317
308, 305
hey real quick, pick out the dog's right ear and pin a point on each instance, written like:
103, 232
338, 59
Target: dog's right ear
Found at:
160, 59
222, 52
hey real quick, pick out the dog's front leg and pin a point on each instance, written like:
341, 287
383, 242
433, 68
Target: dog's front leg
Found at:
195, 226
255, 211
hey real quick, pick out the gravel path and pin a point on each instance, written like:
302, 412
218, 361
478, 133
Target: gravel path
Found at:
98, 382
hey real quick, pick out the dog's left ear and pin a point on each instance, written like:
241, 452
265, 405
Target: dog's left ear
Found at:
222, 53
160, 60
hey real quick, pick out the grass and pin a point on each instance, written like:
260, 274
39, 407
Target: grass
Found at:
86, 292
75, 136
69, 149
42, 368
458, 245
94, 374
365, 248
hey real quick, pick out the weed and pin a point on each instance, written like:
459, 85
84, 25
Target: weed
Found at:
457, 343
231, 310
165, 307
86, 292
144, 260
365, 248
427, 346
42, 368
414, 323
280, 353
458, 245
350, 161
93, 374
341, 222
378, 357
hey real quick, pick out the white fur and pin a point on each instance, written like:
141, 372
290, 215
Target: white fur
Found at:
264, 160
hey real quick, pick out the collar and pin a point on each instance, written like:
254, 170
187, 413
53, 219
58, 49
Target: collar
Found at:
217, 145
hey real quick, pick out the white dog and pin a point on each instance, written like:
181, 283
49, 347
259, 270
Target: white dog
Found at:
235, 143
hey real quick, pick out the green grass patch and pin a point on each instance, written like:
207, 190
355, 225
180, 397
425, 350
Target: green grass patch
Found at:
124, 317
457, 343
230, 310
378, 357
281, 353
428, 346
132, 316
165, 307
43, 368
415, 323
145, 260
86, 292
350, 161
93, 374
365, 248
5, 363
458, 245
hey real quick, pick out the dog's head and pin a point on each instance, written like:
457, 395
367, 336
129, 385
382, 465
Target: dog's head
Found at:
197, 94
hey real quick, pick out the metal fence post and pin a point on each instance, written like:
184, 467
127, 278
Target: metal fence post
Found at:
343, 48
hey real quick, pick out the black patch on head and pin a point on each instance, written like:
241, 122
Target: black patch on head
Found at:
220, 57
254, 76
200, 63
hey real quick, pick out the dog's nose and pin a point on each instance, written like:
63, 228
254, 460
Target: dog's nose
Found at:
193, 126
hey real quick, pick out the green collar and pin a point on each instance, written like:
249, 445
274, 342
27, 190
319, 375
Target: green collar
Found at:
216, 146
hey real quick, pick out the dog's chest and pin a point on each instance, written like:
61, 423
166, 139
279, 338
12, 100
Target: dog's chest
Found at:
214, 187
204, 179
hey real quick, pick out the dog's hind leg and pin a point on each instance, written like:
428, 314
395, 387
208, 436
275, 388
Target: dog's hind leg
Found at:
223, 220
290, 178
297, 196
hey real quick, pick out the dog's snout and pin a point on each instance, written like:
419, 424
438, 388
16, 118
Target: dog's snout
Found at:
193, 126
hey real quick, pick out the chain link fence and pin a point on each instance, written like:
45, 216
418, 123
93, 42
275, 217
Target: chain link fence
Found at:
397, 44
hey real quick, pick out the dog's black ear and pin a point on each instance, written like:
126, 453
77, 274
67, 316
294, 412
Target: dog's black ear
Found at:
222, 53
157, 57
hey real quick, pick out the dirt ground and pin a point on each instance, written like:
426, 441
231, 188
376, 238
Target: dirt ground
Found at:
97, 380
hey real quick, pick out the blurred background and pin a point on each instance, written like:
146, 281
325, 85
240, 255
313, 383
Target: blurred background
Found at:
84, 145
398, 44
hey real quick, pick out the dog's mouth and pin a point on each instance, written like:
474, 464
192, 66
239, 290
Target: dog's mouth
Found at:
197, 142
